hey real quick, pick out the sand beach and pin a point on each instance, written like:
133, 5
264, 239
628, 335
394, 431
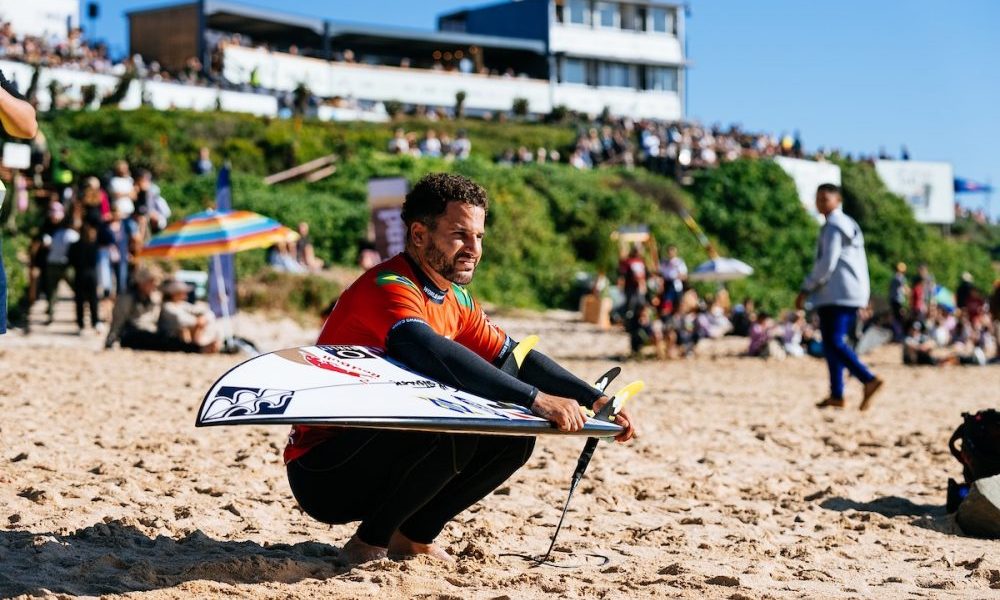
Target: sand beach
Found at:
737, 488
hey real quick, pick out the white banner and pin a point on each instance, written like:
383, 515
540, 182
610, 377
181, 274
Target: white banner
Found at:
809, 175
928, 187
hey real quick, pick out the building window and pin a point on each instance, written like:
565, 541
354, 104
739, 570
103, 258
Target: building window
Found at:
579, 12
606, 14
574, 70
617, 75
632, 17
662, 79
661, 20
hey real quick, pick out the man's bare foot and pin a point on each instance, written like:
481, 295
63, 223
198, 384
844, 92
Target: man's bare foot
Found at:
401, 546
356, 552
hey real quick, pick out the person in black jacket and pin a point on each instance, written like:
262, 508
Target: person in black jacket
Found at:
83, 257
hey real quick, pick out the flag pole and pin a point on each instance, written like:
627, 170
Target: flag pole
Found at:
220, 285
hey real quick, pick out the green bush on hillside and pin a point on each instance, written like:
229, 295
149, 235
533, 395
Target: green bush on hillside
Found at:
892, 234
754, 208
546, 222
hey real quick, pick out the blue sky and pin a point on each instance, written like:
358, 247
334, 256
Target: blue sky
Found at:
850, 74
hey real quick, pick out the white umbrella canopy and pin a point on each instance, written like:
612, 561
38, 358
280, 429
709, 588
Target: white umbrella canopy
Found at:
721, 269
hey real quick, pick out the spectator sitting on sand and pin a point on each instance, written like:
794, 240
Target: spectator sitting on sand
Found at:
760, 335
281, 258
305, 253
791, 333
133, 320
184, 322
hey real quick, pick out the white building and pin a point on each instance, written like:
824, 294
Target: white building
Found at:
583, 54
632, 51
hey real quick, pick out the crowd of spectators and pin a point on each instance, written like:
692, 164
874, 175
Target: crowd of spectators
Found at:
90, 235
94, 231
658, 308
295, 255
670, 148
936, 326
74, 52
431, 144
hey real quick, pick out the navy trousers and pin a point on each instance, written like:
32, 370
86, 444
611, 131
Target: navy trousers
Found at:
834, 323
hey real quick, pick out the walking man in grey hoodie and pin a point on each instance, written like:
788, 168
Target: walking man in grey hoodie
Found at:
838, 286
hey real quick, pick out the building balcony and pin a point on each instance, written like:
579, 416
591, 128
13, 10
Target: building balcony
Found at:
615, 44
284, 72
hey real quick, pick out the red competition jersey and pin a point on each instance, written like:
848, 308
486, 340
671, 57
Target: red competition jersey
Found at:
394, 291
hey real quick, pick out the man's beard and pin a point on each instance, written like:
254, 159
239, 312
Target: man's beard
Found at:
448, 268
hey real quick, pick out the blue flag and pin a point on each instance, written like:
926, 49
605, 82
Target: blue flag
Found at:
223, 267
967, 185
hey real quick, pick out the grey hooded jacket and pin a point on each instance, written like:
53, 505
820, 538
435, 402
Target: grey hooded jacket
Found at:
840, 274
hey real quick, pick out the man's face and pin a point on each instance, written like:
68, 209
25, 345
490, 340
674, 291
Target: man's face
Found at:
827, 202
455, 244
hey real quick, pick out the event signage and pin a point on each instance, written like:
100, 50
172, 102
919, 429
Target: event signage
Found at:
928, 187
809, 175
385, 198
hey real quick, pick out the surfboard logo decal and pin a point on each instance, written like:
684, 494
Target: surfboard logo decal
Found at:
348, 352
389, 278
245, 402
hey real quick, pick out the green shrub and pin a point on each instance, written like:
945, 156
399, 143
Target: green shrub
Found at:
753, 206
546, 221
892, 234
17, 277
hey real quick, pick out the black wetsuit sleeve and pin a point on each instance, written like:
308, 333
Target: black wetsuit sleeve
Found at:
416, 345
546, 374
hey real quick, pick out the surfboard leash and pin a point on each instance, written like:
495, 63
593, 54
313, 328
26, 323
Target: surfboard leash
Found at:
607, 413
601, 384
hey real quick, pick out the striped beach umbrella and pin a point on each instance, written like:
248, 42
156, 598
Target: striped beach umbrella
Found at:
216, 232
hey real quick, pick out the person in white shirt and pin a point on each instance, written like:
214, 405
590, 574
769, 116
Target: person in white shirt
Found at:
674, 271
431, 146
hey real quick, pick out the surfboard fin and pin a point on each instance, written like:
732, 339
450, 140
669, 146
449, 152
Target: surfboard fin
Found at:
523, 348
612, 408
605, 380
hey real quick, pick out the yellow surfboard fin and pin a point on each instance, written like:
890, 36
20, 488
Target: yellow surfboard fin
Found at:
609, 410
523, 348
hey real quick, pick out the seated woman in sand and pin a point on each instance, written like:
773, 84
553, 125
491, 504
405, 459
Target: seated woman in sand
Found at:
185, 322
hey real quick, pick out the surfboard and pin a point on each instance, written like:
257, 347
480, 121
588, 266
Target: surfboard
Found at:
358, 386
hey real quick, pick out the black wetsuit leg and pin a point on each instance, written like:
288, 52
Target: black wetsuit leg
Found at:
412, 481
495, 460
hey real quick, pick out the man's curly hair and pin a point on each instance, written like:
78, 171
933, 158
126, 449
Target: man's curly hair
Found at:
429, 198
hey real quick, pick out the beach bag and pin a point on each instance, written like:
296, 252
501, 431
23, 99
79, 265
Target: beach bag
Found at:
979, 452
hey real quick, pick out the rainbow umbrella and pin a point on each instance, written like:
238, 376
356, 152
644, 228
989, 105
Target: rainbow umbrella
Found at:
216, 232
